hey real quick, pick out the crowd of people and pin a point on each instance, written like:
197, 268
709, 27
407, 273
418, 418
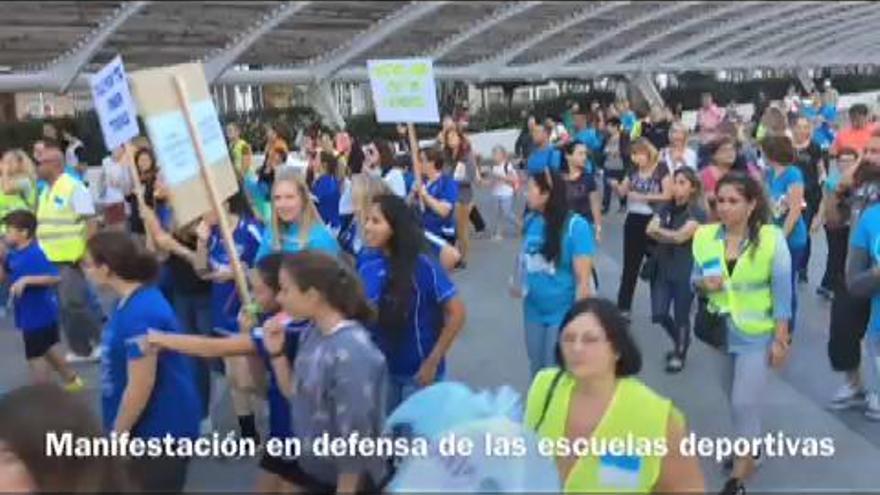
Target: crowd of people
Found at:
351, 265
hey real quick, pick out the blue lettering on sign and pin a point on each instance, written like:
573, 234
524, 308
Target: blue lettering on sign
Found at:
119, 122
115, 101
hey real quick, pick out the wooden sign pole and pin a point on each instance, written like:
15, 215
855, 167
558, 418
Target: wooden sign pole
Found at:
216, 203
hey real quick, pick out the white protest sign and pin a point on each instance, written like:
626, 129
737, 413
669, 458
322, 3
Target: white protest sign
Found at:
113, 102
404, 90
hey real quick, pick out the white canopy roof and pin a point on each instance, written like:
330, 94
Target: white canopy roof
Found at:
53, 45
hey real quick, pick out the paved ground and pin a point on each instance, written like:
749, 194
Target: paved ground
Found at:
491, 352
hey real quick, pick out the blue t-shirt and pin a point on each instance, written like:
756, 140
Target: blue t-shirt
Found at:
326, 191
37, 308
543, 158
280, 419
592, 139
867, 237
551, 288
174, 406
443, 189
432, 290
779, 188
320, 239
225, 303
628, 121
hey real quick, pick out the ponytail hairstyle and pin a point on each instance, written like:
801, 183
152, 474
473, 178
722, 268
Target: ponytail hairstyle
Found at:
404, 246
337, 284
308, 216
123, 256
751, 190
555, 212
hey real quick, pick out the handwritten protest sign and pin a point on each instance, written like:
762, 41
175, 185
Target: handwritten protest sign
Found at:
404, 90
113, 102
155, 92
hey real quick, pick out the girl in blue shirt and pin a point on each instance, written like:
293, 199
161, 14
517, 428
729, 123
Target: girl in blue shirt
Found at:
144, 394
437, 195
296, 224
420, 313
555, 264
250, 343
364, 190
213, 262
326, 189
785, 183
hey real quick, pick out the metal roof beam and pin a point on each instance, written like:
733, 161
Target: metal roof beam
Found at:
504, 58
610, 34
773, 27
778, 33
808, 49
500, 15
850, 45
803, 44
65, 68
723, 30
223, 58
326, 65
622, 53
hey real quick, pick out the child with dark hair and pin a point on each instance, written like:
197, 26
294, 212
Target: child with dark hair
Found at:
273, 477
326, 190
339, 376
32, 278
143, 394
27, 414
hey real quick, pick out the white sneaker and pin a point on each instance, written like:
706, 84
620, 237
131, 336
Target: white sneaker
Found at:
95, 356
206, 427
847, 397
74, 358
872, 409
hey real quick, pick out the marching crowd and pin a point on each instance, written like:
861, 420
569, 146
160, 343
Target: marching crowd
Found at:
351, 267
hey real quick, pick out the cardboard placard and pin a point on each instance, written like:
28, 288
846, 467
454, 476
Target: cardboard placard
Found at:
114, 105
156, 96
404, 90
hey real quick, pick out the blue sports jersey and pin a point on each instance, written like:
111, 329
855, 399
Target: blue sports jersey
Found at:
432, 289
174, 406
225, 303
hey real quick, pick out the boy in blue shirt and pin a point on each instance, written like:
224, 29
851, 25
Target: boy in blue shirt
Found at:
545, 155
32, 278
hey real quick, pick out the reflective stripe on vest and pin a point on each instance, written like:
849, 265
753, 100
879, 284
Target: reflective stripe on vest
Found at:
635, 412
60, 231
747, 295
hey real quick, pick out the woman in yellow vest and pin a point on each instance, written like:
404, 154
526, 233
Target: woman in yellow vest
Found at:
18, 185
585, 409
743, 269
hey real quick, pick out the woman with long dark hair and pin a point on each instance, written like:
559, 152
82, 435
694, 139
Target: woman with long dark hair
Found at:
742, 268
143, 394
420, 312
673, 228
556, 264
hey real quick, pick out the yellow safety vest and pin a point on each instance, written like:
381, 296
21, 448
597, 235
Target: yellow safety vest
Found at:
60, 231
636, 412
747, 295
12, 202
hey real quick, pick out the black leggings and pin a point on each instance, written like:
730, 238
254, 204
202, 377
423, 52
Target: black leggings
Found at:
835, 266
849, 320
636, 246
